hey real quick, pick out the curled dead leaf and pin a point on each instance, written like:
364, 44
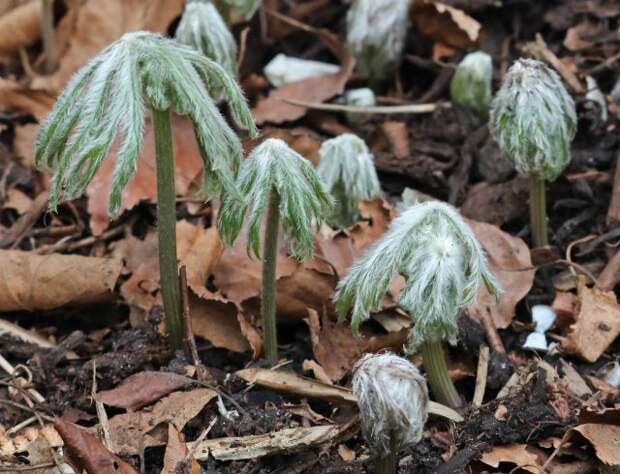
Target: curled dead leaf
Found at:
445, 24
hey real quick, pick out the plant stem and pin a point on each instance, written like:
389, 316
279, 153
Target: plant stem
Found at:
166, 226
538, 212
268, 296
345, 212
437, 374
387, 463
49, 35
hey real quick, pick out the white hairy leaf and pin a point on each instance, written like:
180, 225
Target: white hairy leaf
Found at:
107, 100
273, 167
349, 174
443, 265
533, 119
470, 86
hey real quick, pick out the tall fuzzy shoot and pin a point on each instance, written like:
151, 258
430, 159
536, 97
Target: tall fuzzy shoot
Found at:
376, 32
470, 87
203, 28
280, 181
533, 120
393, 402
106, 102
349, 174
443, 265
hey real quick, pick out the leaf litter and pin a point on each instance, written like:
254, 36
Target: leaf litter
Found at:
80, 295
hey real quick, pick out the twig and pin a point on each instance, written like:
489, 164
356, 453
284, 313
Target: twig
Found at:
26, 408
64, 245
34, 467
23, 424
101, 413
381, 109
9, 369
190, 341
490, 329
481, 376
195, 444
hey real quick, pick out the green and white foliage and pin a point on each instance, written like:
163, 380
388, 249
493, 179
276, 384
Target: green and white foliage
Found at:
245, 8
376, 31
393, 401
106, 102
470, 87
203, 28
273, 169
349, 174
362, 97
442, 262
533, 119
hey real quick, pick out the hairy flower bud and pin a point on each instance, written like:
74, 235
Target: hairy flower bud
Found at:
273, 167
393, 401
348, 172
376, 31
533, 119
470, 87
108, 98
443, 265
204, 29
362, 97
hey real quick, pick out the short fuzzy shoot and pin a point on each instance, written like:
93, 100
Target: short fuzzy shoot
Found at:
470, 87
109, 97
393, 401
277, 180
443, 266
203, 28
376, 32
348, 172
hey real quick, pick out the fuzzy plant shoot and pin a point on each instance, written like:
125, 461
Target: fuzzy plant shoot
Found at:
105, 104
533, 119
393, 402
376, 32
203, 28
244, 8
470, 87
443, 265
349, 174
280, 181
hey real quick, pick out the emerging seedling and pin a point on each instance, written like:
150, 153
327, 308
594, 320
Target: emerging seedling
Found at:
204, 29
244, 8
393, 402
376, 31
533, 120
277, 179
349, 174
362, 97
470, 87
443, 265
106, 103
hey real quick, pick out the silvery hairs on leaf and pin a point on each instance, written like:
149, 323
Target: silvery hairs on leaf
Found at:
203, 28
533, 119
443, 265
245, 8
273, 167
108, 98
470, 87
349, 174
393, 401
376, 31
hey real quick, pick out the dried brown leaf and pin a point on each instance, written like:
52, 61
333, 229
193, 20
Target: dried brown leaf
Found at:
19, 28
176, 453
141, 389
528, 458
604, 438
86, 452
445, 24
41, 282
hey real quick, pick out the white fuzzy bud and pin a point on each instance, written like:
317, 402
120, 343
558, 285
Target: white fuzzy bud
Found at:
470, 87
362, 97
533, 119
393, 401
203, 28
283, 69
443, 265
349, 174
376, 32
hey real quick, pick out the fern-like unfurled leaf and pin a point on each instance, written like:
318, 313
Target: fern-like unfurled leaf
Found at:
273, 167
348, 172
441, 261
533, 119
203, 28
108, 98
376, 32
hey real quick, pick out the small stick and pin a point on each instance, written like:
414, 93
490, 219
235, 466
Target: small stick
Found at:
481, 376
101, 413
190, 341
493, 337
49, 35
195, 444
9, 369
381, 109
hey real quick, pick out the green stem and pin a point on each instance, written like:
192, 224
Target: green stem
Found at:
437, 375
538, 212
268, 297
224, 9
49, 35
166, 226
386, 464
345, 211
